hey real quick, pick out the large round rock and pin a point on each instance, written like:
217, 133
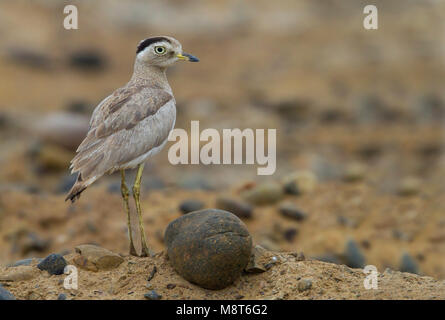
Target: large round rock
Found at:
209, 247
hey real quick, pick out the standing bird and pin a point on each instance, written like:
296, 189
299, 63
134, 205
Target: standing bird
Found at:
131, 124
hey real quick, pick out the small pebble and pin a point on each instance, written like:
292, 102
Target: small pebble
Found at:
152, 273
354, 172
299, 182
353, 255
290, 234
171, 286
240, 209
266, 193
61, 296
304, 284
152, 295
408, 264
290, 211
190, 205
409, 186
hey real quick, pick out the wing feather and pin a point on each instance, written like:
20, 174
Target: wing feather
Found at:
121, 111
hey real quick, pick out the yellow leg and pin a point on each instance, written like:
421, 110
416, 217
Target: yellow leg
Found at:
125, 194
136, 192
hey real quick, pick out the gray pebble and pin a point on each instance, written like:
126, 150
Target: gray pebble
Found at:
5, 294
408, 264
152, 295
54, 264
304, 285
239, 208
190, 205
290, 211
354, 257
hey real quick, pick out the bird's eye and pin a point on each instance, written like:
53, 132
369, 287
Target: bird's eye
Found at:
160, 50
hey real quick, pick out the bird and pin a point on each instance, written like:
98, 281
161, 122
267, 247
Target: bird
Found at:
131, 125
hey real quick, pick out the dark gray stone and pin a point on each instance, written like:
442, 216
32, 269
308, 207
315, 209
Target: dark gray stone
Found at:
292, 212
408, 264
152, 295
54, 264
87, 59
190, 205
61, 296
354, 257
209, 247
237, 207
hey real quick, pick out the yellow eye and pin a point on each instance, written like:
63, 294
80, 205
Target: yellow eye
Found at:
160, 50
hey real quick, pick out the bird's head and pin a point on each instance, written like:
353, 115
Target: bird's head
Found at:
162, 52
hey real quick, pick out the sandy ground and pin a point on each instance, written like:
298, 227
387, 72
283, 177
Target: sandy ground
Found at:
282, 281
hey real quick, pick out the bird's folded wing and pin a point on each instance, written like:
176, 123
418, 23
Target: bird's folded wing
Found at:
122, 110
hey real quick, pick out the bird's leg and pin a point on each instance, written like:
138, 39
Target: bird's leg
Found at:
125, 194
146, 252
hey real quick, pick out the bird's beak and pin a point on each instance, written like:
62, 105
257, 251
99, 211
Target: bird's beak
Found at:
187, 57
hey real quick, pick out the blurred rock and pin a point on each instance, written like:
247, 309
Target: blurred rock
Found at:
87, 60
290, 211
354, 172
53, 158
30, 58
63, 129
190, 205
299, 182
304, 285
237, 207
32, 242
409, 186
61, 296
152, 295
429, 108
209, 247
408, 264
54, 264
79, 107
95, 258
294, 110
332, 116
353, 255
370, 109
290, 234
346, 221
194, 182
369, 151
20, 273
265, 193
5, 294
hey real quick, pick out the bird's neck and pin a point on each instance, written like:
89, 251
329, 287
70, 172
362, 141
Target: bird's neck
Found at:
152, 76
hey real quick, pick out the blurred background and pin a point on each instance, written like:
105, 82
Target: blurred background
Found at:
359, 116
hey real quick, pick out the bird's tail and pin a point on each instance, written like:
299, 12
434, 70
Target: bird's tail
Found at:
78, 187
